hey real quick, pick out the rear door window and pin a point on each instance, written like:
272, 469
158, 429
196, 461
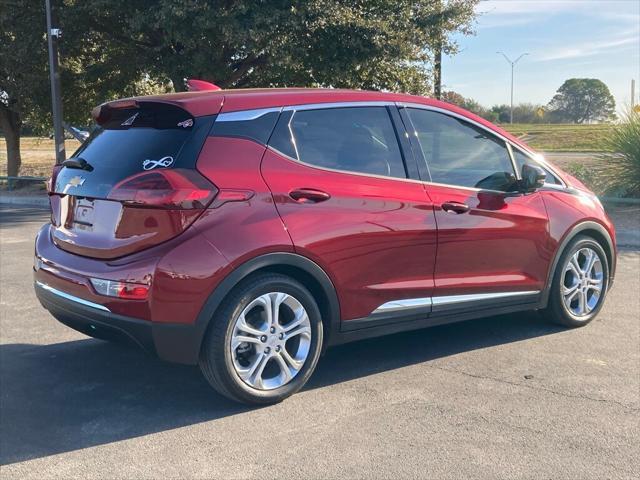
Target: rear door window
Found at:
350, 139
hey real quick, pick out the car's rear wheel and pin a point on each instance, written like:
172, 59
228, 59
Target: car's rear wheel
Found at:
580, 283
264, 342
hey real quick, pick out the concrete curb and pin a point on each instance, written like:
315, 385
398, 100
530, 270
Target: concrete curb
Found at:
620, 201
26, 200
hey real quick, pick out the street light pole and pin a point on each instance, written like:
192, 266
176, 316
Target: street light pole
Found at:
513, 64
53, 35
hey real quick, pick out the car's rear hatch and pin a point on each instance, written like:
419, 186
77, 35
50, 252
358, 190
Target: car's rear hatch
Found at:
133, 183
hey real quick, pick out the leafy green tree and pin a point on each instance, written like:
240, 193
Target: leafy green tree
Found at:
373, 44
467, 103
24, 81
115, 48
581, 100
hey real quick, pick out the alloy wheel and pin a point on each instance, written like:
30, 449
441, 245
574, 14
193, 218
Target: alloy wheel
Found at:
270, 341
582, 282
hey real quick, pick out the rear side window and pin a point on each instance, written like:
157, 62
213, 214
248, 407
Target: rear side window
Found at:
352, 139
459, 153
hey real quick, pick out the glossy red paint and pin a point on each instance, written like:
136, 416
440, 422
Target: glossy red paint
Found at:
195, 85
240, 230
501, 244
375, 237
117, 230
378, 239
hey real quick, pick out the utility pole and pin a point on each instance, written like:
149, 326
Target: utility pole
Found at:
53, 35
513, 64
437, 60
437, 72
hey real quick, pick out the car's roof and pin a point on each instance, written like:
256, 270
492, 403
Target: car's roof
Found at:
220, 101
212, 102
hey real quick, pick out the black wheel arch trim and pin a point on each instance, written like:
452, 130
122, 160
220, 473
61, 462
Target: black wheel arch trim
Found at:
609, 249
278, 259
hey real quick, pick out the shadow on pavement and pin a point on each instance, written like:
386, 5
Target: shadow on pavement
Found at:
68, 396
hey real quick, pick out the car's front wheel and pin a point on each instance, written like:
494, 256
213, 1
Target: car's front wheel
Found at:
580, 283
264, 342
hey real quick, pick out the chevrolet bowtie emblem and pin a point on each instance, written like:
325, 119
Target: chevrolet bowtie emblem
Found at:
76, 181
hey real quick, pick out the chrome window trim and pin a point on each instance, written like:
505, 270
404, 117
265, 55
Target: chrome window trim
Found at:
72, 297
323, 106
246, 115
412, 303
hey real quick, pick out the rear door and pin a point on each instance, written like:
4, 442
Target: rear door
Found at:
133, 183
340, 183
493, 242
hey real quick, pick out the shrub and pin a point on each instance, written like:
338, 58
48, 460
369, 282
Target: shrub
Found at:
621, 169
587, 175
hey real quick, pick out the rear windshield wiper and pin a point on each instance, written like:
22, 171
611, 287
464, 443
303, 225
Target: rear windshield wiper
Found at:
77, 162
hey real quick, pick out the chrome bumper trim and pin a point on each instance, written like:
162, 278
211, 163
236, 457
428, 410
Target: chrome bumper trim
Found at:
72, 297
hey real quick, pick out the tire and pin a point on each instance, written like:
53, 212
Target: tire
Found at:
568, 311
229, 370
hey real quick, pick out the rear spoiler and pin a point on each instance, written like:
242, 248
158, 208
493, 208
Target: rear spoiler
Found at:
103, 112
128, 111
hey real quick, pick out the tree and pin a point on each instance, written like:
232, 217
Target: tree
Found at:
24, 83
581, 100
374, 44
115, 48
468, 104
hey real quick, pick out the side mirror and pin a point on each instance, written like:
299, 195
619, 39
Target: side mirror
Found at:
533, 178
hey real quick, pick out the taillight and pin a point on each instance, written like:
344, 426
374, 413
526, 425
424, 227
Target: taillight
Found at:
111, 288
172, 189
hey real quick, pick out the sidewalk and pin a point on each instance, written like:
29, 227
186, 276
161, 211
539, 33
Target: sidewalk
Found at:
626, 216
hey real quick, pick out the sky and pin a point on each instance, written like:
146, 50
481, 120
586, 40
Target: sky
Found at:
564, 38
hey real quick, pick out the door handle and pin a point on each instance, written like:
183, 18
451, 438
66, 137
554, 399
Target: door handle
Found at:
309, 195
455, 207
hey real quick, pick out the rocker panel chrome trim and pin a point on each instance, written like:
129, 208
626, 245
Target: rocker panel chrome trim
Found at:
399, 305
454, 299
446, 300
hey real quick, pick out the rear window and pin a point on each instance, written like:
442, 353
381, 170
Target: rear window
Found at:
131, 141
131, 150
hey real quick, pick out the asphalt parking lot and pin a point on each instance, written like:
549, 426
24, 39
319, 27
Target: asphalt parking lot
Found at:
503, 397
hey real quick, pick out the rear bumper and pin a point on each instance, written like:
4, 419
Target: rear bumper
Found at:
177, 343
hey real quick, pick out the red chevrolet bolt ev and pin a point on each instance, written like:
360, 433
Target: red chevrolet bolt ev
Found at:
246, 231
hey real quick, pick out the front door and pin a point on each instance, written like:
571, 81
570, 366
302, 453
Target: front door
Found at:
493, 242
